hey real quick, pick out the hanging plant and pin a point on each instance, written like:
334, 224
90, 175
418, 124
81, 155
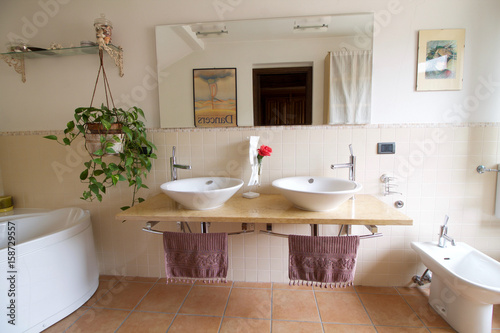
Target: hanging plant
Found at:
110, 131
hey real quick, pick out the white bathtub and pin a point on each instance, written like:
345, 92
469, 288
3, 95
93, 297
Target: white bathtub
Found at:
50, 272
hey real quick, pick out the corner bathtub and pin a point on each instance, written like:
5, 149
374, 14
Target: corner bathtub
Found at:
51, 270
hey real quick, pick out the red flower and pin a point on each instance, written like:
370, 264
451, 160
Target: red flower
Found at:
265, 150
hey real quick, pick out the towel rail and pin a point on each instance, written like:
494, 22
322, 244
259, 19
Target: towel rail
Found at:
204, 228
159, 232
314, 230
374, 235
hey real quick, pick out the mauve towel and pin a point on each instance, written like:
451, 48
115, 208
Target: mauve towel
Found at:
195, 256
325, 260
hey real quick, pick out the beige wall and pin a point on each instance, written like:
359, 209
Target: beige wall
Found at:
56, 86
435, 166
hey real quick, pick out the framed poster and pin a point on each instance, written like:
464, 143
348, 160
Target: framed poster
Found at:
214, 91
440, 59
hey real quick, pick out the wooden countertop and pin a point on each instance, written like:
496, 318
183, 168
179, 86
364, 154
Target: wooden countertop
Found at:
268, 208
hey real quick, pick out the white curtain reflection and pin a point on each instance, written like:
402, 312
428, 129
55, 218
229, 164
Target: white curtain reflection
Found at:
348, 87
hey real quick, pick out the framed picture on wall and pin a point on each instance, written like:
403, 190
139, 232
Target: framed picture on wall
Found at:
214, 91
440, 59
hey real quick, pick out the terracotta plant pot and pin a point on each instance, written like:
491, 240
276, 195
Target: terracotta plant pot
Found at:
96, 130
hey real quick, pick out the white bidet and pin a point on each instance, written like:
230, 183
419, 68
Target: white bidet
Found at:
465, 285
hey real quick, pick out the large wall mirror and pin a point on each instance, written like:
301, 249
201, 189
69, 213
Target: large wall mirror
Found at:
250, 47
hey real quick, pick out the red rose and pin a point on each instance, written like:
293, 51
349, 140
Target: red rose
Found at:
265, 150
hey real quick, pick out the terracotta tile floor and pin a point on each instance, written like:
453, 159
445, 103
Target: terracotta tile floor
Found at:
128, 304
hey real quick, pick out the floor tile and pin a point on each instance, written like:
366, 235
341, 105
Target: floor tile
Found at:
349, 289
427, 314
214, 284
288, 287
146, 322
392, 329
98, 320
442, 330
110, 277
102, 289
413, 291
195, 324
343, 308
243, 325
296, 327
63, 324
294, 305
390, 310
252, 285
164, 281
496, 316
203, 300
164, 298
376, 290
139, 279
124, 295
249, 303
340, 328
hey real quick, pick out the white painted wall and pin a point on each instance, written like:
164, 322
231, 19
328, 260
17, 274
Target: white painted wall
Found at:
56, 86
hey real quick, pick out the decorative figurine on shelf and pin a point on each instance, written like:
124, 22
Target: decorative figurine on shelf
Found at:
103, 29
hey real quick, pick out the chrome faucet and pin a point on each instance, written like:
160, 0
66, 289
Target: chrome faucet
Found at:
174, 166
351, 165
443, 235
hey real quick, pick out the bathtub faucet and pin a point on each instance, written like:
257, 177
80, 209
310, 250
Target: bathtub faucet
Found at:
174, 166
443, 235
351, 165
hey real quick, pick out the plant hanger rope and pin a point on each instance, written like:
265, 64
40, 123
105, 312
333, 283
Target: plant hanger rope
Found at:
107, 89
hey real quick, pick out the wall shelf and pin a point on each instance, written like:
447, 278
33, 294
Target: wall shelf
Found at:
16, 59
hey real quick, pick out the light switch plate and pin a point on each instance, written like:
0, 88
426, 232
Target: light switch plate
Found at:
386, 148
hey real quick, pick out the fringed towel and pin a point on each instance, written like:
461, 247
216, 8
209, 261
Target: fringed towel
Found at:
195, 256
326, 261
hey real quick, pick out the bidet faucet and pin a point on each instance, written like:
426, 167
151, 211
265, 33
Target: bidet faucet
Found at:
443, 234
351, 165
174, 166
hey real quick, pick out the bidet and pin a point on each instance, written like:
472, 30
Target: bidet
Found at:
464, 287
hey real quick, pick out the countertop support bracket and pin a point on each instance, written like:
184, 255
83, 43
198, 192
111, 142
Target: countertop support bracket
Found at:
204, 227
373, 228
151, 224
314, 230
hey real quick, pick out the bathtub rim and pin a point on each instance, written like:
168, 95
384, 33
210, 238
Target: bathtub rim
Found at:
35, 244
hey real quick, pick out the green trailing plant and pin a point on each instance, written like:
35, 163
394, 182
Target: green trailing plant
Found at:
133, 163
134, 152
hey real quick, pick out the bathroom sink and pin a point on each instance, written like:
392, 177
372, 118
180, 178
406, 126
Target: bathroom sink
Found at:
202, 193
317, 193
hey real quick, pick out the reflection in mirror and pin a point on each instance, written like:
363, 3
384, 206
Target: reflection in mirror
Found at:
253, 46
282, 96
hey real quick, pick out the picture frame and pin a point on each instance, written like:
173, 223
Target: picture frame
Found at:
214, 97
440, 59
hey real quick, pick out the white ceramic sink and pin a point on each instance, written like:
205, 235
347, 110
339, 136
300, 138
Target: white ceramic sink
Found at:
317, 193
202, 193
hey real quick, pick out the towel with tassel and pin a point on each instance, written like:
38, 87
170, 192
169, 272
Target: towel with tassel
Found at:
325, 261
191, 257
